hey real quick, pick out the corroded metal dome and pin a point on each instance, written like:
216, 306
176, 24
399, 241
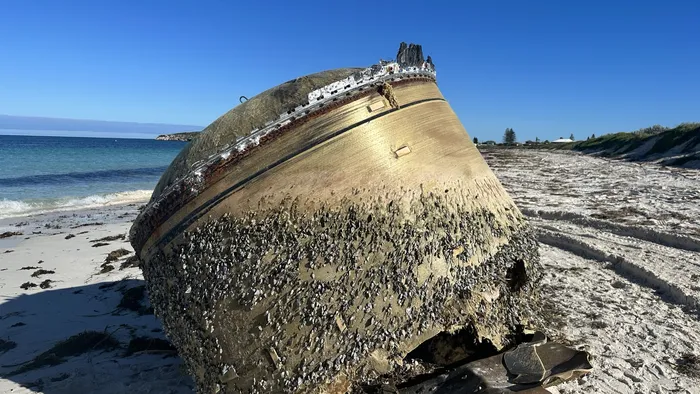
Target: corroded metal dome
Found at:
316, 234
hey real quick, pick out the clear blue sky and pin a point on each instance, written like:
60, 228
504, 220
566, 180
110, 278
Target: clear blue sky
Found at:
544, 68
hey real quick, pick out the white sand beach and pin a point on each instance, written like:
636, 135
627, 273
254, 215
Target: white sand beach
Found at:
73, 291
620, 243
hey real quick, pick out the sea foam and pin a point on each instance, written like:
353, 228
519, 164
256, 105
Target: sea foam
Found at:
13, 208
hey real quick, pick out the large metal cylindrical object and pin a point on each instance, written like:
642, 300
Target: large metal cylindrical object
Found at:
320, 254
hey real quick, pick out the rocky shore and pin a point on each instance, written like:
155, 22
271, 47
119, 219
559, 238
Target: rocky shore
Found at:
186, 136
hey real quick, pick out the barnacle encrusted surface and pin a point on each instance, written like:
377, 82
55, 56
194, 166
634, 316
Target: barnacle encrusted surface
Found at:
288, 298
356, 228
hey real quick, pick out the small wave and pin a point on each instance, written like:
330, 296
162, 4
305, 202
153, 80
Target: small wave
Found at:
73, 177
12, 208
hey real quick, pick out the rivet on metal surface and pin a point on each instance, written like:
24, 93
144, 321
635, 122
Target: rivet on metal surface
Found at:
376, 106
403, 151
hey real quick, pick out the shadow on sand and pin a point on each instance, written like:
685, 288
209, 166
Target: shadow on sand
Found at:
101, 337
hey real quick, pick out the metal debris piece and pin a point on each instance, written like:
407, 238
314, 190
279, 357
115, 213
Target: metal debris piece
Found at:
529, 368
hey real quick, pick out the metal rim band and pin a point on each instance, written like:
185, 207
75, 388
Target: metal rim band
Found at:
206, 206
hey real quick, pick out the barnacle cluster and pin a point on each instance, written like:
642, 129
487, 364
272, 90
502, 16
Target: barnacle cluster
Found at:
291, 297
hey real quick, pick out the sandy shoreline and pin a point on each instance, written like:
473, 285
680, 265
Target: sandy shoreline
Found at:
620, 247
74, 291
620, 243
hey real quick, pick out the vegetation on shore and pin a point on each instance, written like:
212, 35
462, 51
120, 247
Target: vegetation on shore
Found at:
677, 146
673, 146
186, 136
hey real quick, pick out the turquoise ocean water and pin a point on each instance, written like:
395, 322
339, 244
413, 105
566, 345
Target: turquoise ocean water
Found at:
39, 174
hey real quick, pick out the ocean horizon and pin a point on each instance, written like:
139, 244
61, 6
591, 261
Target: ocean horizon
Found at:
76, 134
41, 174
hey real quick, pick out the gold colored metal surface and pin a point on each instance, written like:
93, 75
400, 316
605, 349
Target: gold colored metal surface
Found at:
371, 135
363, 192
